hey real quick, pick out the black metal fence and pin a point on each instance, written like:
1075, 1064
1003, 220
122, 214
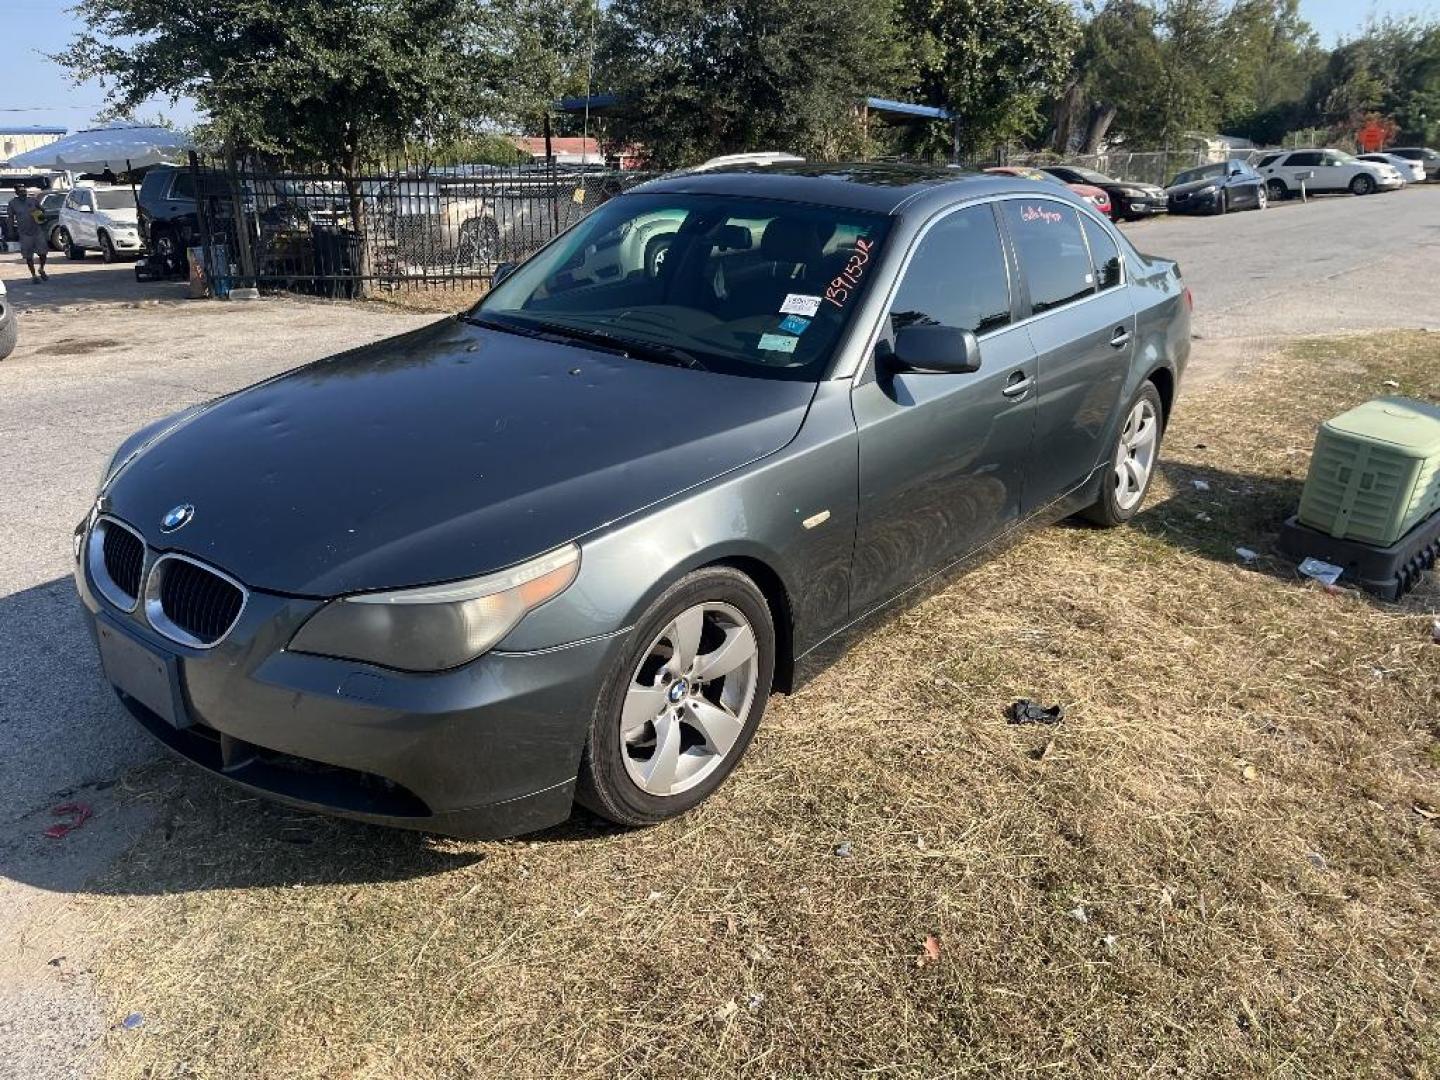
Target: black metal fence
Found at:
394, 226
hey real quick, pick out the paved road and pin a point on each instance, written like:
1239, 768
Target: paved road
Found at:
101, 354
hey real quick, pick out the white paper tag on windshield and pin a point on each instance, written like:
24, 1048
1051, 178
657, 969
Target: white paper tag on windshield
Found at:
778, 343
799, 304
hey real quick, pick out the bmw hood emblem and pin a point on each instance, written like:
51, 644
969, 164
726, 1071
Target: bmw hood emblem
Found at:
177, 517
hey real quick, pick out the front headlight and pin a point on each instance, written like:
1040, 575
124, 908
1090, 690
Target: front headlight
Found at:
1208, 189
1132, 193
436, 627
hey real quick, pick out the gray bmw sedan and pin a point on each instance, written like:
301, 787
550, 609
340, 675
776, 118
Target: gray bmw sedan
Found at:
565, 546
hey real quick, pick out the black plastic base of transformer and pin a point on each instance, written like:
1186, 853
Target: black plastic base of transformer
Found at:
1388, 572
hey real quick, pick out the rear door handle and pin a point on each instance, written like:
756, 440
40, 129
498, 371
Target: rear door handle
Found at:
1019, 385
1120, 338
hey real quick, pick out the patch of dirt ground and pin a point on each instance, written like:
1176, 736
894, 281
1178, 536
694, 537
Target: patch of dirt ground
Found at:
1225, 861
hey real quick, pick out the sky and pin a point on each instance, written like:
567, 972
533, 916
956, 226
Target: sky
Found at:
36, 90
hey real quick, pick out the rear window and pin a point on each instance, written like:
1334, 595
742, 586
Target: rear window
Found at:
1053, 256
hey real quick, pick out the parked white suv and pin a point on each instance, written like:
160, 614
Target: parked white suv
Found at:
100, 218
1325, 171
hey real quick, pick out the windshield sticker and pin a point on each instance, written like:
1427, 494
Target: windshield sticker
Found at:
778, 343
797, 304
1039, 213
794, 324
849, 278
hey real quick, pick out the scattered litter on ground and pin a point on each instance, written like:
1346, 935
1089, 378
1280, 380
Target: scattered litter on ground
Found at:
1317, 860
726, 1011
1201, 485
654, 896
1426, 812
1247, 554
931, 951
1109, 942
1249, 773
843, 850
754, 1001
1390, 384
1435, 631
133, 1021
1026, 711
1079, 914
78, 812
1321, 571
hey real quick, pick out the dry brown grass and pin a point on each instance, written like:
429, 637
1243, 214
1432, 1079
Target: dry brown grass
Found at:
1219, 865
440, 301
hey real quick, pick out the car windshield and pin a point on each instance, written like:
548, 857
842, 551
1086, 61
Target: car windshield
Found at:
1343, 158
1207, 172
1090, 176
115, 199
741, 286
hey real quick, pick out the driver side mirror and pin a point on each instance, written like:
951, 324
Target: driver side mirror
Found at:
946, 350
502, 271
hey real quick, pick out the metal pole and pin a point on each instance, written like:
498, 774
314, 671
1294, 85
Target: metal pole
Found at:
202, 206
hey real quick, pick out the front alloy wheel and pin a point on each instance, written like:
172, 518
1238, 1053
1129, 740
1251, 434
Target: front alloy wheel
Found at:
674, 721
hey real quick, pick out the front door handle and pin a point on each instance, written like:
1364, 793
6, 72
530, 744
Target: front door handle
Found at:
1120, 338
1019, 385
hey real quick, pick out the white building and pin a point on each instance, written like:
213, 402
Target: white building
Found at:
16, 139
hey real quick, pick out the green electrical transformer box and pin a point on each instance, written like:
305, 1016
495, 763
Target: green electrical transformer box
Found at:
1375, 473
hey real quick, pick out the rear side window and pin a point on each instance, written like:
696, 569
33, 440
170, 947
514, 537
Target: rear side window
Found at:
957, 276
1104, 253
1053, 255
183, 186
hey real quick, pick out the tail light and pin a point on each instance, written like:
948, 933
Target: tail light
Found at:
1189, 299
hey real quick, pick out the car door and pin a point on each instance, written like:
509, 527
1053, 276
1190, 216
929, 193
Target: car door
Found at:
1082, 330
82, 229
943, 456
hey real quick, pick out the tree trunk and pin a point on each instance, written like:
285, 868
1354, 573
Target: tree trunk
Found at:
1101, 117
1067, 108
350, 174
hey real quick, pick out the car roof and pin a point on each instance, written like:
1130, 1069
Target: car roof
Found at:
879, 188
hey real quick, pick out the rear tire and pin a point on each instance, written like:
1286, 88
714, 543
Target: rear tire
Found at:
57, 240
692, 679
1131, 464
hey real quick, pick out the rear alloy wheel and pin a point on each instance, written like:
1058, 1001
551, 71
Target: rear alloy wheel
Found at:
1364, 184
672, 723
1278, 191
1132, 465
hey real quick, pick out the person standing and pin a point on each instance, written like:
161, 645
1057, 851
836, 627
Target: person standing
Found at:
29, 217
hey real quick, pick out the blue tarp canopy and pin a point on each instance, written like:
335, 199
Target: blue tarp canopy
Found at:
905, 108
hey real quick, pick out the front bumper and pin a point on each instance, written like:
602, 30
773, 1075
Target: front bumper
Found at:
489, 749
1195, 204
1146, 207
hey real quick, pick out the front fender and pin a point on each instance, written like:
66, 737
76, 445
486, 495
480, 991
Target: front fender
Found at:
793, 512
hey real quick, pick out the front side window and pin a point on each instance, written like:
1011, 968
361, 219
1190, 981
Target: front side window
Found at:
1053, 257
1303, 159
957, 276
1268, 159
753, 287
1104, 253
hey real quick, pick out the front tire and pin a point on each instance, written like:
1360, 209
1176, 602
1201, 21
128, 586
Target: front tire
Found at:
1363, 185
674, 717
1262, 198
1278, 191
72, 249
58, 239
1132, 461
107, 248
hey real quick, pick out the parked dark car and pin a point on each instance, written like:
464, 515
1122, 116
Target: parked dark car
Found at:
51, 202
1217, 189
168, 211
564, 547
1129, 200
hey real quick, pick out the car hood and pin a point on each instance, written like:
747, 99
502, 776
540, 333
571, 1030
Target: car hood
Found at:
1149, 189
1193, 186
126, 216
442, 454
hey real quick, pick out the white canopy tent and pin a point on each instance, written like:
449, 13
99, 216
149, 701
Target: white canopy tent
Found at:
115, 148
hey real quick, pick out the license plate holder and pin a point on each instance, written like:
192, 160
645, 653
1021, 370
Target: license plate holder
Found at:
139, 672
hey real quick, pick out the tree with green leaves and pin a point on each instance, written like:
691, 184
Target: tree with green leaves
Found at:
993, 63
698, 78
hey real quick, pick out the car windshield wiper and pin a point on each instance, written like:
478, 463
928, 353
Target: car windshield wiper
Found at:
640, 350
643, 350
